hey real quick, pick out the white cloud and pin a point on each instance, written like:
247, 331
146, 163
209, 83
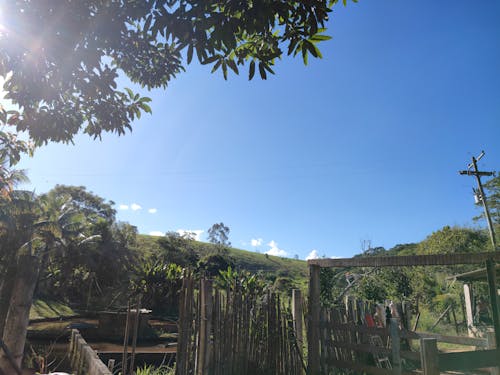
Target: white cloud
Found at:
152, 210
313, 255
275, 250
123, 207
256, 242
135, 207
197, 233
156, 233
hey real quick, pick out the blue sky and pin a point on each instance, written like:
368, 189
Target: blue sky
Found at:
363, 145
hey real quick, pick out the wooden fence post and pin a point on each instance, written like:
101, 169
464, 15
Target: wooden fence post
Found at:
136, 332
313, 356
407, 315
396, 346
468, 310
125, 341
297, 315
490, 336
204, 348
429, 356
493, 291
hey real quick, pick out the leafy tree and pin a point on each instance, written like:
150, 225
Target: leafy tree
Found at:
492, 191
62, 58
9, 179
372, 289
454, 240
246, 282
178, 249
87, 203
67, 244
214, 263
97, 255
159, 284
218, 234
18, 215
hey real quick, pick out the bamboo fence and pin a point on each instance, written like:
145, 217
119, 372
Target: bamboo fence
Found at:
235, 331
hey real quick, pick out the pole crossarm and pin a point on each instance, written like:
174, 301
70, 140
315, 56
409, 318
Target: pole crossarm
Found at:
408, 260
474, 173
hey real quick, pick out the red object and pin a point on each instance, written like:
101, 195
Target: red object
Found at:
369, 320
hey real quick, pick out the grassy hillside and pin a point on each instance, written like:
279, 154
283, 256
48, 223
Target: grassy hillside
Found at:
243, 260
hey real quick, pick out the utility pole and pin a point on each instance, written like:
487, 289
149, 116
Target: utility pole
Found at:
479, 194
490, 264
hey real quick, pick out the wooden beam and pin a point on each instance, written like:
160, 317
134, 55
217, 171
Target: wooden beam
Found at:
469, 360
458, 340
408, 260
362, 368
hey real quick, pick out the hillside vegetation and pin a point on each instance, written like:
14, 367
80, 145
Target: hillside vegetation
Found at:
87, 260
272, 267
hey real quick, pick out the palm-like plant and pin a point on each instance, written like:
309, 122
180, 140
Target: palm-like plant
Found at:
39, 227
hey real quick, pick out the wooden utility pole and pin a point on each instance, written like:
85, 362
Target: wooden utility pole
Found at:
490, 264
480, 193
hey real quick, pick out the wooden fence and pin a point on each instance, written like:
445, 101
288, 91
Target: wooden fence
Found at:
349, 341
235, 331
84, 360
333, 344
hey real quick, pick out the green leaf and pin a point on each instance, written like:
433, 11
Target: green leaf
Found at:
304, 53
147, 24
216, 66
190, 54
268, 68
251, 70
129, 92
319, 38
233, 66
262, 71
146, 108
211, 59
224, 69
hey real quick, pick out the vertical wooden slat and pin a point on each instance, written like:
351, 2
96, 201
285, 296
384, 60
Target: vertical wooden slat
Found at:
298, 316
125, 341
493, 291
492, 345
429, 356
395, 346
136, 332
468, 310
313, 359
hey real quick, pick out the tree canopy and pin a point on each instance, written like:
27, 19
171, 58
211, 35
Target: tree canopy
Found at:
62, 58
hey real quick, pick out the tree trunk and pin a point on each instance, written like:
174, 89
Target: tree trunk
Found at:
17, 321
6, 285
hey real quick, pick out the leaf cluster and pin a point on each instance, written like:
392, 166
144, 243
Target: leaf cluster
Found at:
62, 58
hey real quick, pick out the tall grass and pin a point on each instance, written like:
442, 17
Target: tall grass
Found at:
151, 370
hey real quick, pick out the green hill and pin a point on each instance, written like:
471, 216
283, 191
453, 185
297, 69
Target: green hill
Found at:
272, 266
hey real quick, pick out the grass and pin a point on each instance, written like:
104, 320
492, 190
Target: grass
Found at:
49, 309
151, 370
